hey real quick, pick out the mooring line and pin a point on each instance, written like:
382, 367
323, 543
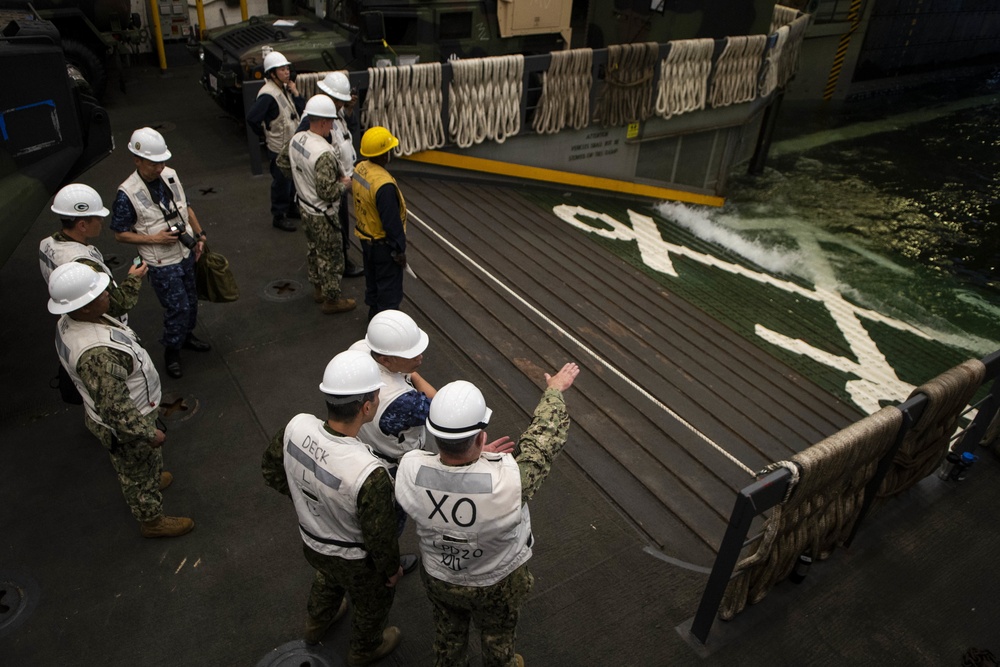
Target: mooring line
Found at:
581, 345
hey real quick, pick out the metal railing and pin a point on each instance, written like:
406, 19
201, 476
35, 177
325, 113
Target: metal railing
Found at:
770, 491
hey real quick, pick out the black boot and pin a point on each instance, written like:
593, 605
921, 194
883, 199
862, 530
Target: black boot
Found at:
279, 222
172, 358
194, 343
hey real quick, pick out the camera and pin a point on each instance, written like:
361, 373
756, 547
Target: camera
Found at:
180, 229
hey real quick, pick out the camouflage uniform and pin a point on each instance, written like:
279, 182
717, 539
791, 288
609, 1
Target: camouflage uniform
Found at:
137, 464
325, 250
363, 579
495, 608
124, 296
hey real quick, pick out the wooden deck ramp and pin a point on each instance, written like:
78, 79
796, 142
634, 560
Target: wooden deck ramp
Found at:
673, 411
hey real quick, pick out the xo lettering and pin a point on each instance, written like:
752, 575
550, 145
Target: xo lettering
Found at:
462, 511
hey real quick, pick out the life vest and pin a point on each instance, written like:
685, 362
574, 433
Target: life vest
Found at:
151, 217
325, 474
73, 338
341, 136
368, 178
54, 252
279, 131
472, 526
393, 445
304, 151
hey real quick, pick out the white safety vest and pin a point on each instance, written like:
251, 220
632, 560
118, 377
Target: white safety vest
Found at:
472, 526
73, 338
341, 136
393, 445
53, 253
303, 152
151, 218
325, 474
283, 127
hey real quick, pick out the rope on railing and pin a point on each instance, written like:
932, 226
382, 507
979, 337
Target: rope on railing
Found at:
627, 94
684, 77
565, 96
735, 78
928, 440
820, 511
789, 61
408, 102
770, 78
484, 99
306, 83
782, 16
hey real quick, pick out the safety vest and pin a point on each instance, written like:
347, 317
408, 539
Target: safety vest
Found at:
53, 252
341, 136
304, 151
73, 338
325, 473
368, 178
472, 526
151, 218
392, 445
281, 129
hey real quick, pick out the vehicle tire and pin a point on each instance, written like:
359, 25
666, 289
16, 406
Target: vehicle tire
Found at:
88, 63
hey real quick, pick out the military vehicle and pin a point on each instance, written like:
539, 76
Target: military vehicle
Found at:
93, 32
357, 34
53, 129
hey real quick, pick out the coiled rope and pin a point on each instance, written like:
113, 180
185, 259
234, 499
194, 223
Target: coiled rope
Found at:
484, 99
782, 16
565, 96
684, 77
408, 102
820, 512
928, 440
790, 55
735, 79
769, 79
627, 94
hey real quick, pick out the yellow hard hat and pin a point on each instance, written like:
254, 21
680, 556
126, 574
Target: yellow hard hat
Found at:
376, 141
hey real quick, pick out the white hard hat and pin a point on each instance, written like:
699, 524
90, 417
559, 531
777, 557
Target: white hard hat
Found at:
361, 346
393, 332
77, 200
458, 410
73, 285
351, 373
337, 86
321, 106
148, 143
273, 60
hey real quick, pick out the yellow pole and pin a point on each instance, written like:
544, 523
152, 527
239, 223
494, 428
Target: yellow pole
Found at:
243, 9
201, 18
158, 34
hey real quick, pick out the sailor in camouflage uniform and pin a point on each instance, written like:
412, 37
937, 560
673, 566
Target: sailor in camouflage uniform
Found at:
120, 390
81, 212
314, 165
342, 495
469, 504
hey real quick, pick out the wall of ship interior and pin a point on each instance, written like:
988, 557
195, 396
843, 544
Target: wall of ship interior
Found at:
893, 41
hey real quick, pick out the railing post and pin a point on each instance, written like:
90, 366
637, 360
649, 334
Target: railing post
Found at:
751, 501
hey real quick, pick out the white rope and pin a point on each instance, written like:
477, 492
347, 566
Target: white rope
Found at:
684, 77
770, 78
782, 16
484, 99
683, 422
565, 98
790, 55
407, 101
735, 79
627, 95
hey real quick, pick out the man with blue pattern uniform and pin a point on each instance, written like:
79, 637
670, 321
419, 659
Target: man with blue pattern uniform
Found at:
469, 504
151, 211
342, 496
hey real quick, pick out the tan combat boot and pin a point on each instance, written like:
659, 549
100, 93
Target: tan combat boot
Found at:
390, 640
318, 294
315, 630
167, 526
165, 479
519, 659
341, 305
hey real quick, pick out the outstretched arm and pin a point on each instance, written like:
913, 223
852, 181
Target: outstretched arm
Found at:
546, 436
